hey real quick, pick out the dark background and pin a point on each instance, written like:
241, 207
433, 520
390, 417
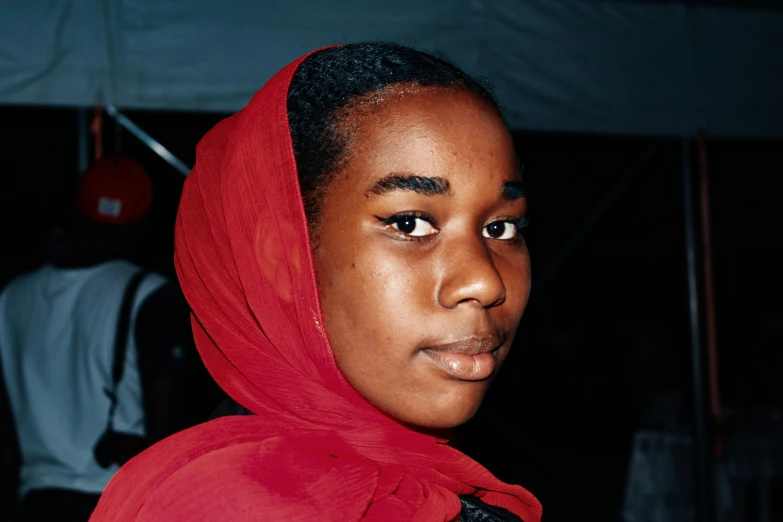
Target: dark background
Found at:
602, 339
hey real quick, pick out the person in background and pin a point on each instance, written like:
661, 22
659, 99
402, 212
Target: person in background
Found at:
92, 350
9, 459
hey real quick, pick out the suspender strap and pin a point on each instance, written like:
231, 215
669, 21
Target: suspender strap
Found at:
121, 337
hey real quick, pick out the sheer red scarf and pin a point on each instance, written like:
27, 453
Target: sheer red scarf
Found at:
315, 449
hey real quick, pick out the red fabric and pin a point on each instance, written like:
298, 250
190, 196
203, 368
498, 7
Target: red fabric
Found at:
315, 449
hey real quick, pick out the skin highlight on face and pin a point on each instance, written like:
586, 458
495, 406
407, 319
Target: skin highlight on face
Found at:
423, 272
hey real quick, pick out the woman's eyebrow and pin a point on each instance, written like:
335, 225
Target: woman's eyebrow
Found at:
427, 186
512, 190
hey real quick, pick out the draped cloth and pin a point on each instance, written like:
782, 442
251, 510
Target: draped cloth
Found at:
315, 449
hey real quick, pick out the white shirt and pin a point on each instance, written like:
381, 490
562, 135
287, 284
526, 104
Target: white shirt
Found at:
57, 329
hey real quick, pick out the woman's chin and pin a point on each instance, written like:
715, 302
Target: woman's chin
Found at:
439, 417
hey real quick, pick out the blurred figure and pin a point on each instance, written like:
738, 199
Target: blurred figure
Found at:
91, 349
9, 458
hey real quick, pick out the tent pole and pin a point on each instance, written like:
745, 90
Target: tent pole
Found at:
575, 241
83, 137
703, 483
154, 145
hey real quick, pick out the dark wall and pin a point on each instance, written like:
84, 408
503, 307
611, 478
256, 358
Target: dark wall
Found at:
604, 347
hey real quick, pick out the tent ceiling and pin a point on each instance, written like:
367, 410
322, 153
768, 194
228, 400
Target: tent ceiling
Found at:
596, 66
737, 4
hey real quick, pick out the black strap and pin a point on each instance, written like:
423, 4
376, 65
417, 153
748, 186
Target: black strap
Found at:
229, 407
121, 338
475, 510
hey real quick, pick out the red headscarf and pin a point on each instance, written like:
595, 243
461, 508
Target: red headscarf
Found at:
315, 449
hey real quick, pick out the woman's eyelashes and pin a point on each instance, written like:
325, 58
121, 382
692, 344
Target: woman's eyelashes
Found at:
416, 225
508, 229
411, 224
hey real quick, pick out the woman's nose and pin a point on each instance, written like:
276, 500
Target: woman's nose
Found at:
470, 276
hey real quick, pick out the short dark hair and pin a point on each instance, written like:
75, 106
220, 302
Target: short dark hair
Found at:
327, 82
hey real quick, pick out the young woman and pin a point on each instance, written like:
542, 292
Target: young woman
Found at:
351, 246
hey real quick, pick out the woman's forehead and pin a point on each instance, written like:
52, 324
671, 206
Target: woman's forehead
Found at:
433, 132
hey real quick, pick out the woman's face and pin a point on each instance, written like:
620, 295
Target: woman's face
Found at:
422, 270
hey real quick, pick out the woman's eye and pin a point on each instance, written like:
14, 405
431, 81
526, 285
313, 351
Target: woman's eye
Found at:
412, 225
504, 230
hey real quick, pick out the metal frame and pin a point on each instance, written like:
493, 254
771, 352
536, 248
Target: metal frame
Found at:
153, 144
83, 136
703, 485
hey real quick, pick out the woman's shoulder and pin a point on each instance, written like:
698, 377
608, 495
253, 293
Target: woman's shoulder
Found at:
233, 468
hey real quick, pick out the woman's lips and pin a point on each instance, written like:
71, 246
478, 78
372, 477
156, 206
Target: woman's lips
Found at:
470, 359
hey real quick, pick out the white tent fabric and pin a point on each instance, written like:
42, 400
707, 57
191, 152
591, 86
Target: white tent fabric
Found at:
596, 66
